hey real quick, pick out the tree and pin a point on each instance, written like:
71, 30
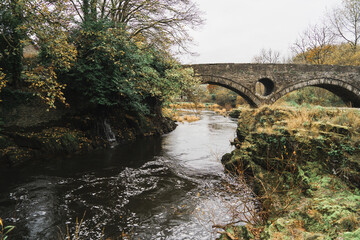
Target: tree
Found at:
346, 22
344, 54
116, 45
112, 70
318, 45
181, 82
12, 34
42, 23
314, 45
161, 24
267, 56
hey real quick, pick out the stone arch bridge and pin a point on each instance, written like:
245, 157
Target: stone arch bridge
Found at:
280, 79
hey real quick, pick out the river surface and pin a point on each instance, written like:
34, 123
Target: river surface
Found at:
169, 187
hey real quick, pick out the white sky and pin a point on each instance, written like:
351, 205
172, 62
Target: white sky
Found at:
236, 30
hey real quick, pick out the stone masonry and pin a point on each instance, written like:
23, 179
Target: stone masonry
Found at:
279, 79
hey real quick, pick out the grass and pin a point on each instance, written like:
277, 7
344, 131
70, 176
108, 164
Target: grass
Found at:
303, 165
77, 232
314, 119
5, 230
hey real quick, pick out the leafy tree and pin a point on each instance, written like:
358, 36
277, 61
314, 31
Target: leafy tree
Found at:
181, 81
340, 54
105, 72
112, 70
222, 96
11, 46
42, 23
110, 53
344, 54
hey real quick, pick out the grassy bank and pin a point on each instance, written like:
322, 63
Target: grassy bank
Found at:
303, 166
190, 112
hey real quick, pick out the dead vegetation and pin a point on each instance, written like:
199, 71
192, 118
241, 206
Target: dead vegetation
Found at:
190, 112
303, 168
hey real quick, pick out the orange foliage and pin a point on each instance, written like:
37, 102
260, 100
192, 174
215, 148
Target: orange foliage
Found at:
319, 55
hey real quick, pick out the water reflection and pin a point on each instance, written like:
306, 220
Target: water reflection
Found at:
156, 188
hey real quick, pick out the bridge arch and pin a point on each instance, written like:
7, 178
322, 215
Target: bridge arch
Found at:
347, 92
280, 79
234, 86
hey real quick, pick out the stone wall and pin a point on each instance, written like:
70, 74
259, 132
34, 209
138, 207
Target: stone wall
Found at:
33, 114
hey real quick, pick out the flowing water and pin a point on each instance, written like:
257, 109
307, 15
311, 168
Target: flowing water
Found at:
168, 187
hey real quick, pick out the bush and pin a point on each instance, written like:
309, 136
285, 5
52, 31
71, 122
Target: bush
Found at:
113, 70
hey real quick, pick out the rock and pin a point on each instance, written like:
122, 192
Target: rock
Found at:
225, 158
235, 113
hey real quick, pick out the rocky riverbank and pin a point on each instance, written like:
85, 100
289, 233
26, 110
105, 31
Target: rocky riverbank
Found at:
303, 166
29, 131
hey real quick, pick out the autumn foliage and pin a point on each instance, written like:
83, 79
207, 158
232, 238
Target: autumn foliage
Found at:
341, 54
86, 49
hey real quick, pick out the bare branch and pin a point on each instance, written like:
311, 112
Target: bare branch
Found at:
314, 44
162, 23
267, 56
345, 22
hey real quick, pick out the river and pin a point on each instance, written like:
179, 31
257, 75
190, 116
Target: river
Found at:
169, 187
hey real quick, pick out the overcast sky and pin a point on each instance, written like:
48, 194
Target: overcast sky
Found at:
236, 30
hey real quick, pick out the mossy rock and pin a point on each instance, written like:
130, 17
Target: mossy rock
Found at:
332, 128
226, 158
69, 142
235, 113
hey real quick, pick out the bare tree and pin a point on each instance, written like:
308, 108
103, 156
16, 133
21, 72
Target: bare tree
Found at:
267, 56
162, 23
314, 45
346, 22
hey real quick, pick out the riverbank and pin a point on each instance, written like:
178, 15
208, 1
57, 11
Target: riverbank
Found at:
29, 131
303, 166
190, 112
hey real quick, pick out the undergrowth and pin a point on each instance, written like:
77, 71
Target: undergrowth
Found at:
303, 168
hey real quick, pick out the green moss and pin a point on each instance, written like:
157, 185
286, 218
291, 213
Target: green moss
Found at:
351, 235
307, 179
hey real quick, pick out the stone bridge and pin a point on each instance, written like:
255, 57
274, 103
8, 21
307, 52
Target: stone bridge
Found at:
278, 80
